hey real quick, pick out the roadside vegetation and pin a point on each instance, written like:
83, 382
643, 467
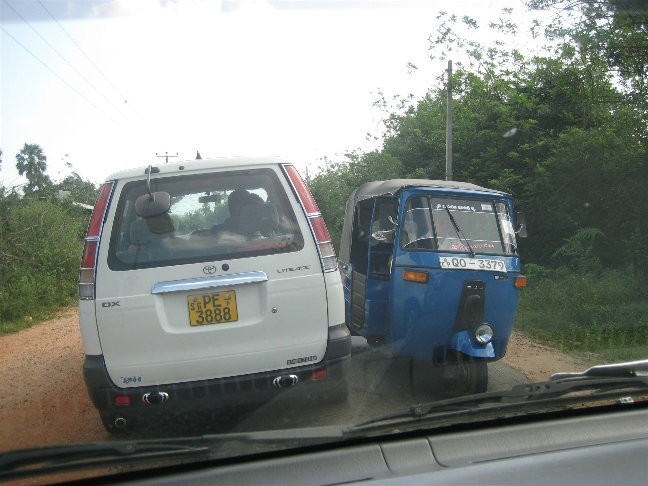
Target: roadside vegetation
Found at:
604, 312
42, 226
563, 128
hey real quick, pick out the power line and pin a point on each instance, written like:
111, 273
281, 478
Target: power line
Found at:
83, 52
56, 74
61, 55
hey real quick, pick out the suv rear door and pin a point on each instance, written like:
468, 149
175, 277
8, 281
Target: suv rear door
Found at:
208, 289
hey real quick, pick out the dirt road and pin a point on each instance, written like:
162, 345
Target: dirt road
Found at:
43, 399
42, 395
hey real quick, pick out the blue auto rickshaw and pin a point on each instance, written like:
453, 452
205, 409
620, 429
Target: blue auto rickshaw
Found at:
431, 269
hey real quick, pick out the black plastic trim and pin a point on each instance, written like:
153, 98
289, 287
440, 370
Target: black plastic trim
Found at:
339, 342
231, 391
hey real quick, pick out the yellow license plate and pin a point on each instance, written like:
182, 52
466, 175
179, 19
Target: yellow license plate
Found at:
212, 308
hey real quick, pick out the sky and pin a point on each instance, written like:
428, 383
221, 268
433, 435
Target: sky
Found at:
107, 85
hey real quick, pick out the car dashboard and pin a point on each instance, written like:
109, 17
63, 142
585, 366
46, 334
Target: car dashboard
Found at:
573, 448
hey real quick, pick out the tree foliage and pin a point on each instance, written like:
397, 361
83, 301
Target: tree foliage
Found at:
612, 31
40, 250
336, 180
41, 239
32, 163
78, 189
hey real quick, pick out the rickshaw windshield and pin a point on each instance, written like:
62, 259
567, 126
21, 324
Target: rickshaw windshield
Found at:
461, 225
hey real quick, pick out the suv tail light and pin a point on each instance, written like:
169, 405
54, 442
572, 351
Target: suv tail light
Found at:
315, 219
89, 258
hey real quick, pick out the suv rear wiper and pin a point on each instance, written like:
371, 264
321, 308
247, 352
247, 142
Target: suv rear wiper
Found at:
603, 381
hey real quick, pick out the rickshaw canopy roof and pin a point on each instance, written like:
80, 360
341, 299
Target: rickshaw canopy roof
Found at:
391, 188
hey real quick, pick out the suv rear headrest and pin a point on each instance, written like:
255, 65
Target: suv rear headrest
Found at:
260, 218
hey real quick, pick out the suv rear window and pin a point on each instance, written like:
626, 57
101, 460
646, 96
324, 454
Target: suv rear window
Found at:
212, 216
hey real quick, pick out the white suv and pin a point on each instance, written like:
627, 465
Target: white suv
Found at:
208, 283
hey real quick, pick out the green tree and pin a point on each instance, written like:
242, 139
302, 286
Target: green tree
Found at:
417, 138
81, 191
40, 248
335, 181
558, 131
613, 30
32, 163
559, 137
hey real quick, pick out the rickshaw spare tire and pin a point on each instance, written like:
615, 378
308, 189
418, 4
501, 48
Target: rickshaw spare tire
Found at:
467, 375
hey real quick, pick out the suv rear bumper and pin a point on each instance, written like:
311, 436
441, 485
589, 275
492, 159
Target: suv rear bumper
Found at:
220, 392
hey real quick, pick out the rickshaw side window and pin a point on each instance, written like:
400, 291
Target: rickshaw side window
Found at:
361, 235
506, 225
383, 230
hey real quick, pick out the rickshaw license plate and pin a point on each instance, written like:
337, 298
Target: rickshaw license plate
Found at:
473, 264
212, 308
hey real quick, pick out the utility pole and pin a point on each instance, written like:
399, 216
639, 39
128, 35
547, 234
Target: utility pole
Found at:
449, 126
166, 156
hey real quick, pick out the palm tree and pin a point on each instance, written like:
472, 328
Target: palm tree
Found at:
31, 162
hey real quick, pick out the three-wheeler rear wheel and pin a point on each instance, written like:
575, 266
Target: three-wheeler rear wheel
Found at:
459, 375
469, 375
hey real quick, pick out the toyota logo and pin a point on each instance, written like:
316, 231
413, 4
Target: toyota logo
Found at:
210, 269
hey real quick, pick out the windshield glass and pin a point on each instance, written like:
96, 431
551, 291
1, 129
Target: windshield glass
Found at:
449, 224
269, 224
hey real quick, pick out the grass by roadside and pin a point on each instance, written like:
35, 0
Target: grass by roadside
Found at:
604, 313
38, 315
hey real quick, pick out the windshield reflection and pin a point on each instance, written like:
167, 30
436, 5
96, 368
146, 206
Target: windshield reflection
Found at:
546, 111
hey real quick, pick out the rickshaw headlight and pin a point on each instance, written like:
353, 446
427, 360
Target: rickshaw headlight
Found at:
483, 334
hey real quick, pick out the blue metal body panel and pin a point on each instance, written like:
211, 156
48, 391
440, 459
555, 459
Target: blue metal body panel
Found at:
462, 342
